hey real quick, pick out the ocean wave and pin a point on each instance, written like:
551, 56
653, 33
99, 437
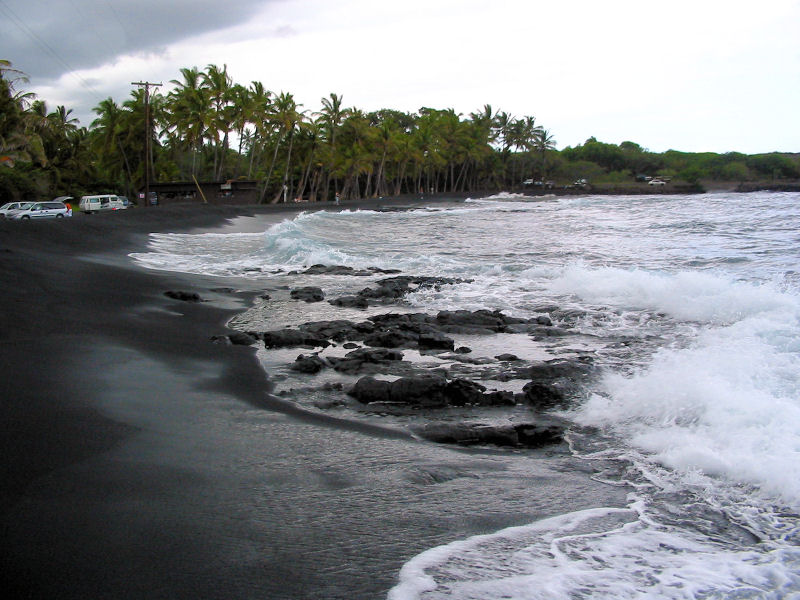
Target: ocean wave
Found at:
686, 295
618, 553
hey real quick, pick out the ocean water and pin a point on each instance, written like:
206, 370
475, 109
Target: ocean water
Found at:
690, 307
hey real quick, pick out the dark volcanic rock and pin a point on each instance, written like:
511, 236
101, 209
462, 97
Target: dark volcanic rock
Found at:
479, 321
543, 331
426, 390
541, 395
534, 435
237, 338
183, 296
392, 319
393, 288
342, 270
436, 341
329, 270
368, 390
393, 338
337, 330
308, 294
287, 338
308, 364
527, 435
507, 357
429, 391
460, 392
241, 338
350, 302
354, 361
498, 398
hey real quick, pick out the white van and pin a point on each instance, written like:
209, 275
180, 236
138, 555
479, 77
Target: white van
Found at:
90, 204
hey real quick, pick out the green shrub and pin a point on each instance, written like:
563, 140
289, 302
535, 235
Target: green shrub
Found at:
16, 186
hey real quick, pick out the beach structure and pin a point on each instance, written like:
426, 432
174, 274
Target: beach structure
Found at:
237, 191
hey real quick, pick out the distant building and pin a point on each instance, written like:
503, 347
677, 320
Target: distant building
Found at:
236, 191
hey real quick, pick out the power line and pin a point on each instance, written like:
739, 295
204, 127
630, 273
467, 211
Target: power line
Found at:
116, 14
22, 26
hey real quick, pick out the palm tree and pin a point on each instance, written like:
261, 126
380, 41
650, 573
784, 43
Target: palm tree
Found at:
62, 122
218, 84
17, 141
331, 116
544, 142
260, 110
386, 134
188, 105
105, 141
504, 132
286, 117
241, 109
132, 133
354, 153
310, 135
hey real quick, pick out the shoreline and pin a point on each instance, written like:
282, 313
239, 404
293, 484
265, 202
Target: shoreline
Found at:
144, 461
65, 251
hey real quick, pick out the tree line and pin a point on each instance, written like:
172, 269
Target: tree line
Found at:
209, 128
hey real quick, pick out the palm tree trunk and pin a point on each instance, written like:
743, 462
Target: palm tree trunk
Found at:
239, 154
269, 173
301, 188
223, 155
380, 174
284, 187
312, 195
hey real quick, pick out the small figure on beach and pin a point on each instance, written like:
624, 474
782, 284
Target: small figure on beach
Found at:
336, 200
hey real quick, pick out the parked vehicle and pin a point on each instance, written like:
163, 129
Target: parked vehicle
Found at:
39, 210
656, 182
548, 185
11, 206
91, 204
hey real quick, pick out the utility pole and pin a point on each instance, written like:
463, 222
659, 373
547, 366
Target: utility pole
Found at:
147, 85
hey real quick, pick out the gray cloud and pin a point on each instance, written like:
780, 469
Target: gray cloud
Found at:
47, 39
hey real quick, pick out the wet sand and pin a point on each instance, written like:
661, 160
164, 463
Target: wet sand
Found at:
141, 460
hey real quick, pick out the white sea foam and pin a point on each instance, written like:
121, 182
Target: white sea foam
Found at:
704, 405
686, 295
602, 553
728, 405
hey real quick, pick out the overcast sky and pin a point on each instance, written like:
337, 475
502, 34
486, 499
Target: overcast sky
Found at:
693, 75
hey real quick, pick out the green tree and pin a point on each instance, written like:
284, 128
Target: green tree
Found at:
189, 114
218, 85
331, 117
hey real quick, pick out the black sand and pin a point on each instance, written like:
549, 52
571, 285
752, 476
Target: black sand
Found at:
140, 460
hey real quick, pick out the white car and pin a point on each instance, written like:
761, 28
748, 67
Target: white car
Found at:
39, 210
657, 182
11, 206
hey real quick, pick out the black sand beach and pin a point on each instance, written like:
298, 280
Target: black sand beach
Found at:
141, 460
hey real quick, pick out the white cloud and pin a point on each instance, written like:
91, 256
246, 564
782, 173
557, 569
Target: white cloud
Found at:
690, 75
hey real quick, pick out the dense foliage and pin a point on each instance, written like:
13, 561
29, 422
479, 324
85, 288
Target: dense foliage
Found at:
210, 128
